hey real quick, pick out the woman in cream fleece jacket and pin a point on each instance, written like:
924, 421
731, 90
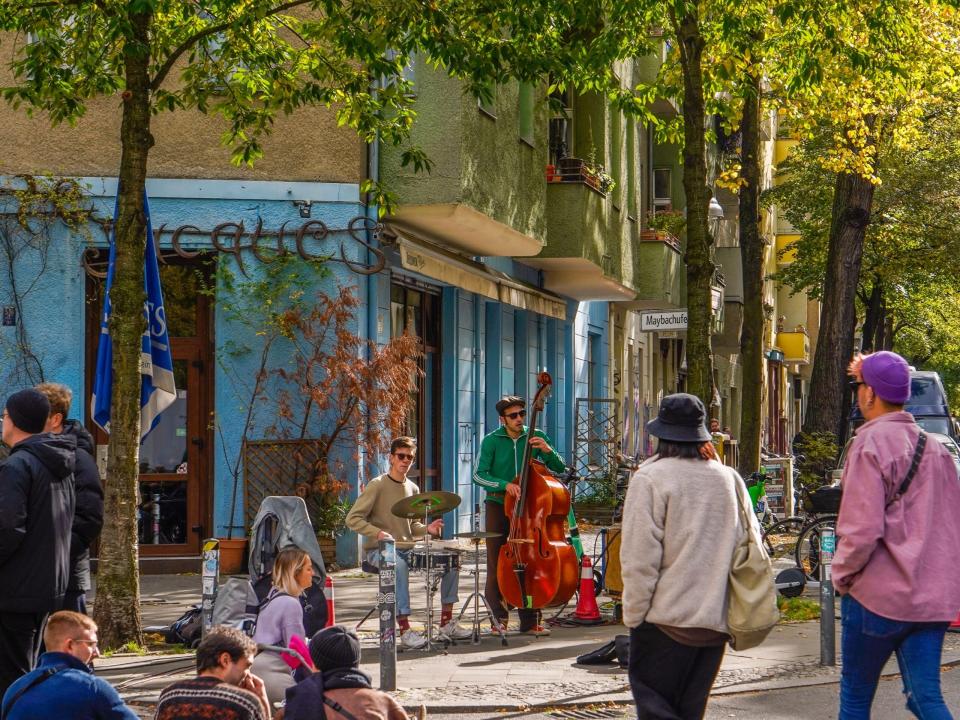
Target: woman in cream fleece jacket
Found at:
680, 528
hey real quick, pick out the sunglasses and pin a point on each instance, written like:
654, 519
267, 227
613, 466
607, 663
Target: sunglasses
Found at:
515, 415
404, 456
854, 384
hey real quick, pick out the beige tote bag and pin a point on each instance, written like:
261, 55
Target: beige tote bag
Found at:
751, 596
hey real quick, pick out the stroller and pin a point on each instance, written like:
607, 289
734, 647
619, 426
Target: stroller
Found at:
281, 521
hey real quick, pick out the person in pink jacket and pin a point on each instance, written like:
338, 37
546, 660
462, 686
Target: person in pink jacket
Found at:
897, 547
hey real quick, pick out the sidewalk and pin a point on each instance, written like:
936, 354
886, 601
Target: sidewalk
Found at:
485, 677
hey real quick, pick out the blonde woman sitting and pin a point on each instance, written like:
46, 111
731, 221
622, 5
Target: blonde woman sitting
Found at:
280, 618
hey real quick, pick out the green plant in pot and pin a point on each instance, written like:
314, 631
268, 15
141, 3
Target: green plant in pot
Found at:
671, 222
329, 511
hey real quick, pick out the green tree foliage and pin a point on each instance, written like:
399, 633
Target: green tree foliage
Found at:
911, 253
900, 58
249, 61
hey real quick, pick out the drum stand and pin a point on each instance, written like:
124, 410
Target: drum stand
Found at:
431, 643
477, 597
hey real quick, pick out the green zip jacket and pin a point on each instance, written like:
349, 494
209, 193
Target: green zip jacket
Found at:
500, 459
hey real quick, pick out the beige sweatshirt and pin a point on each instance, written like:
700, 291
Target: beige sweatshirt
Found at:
371, 513
680, 528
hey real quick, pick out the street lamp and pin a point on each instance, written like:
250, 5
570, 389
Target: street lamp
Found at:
714, 216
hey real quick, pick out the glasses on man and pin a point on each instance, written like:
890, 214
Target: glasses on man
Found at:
404, 456
854, 384
515, 415
92, 643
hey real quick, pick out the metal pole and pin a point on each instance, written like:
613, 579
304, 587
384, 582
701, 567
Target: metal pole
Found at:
209, 577
828, 642
387, 600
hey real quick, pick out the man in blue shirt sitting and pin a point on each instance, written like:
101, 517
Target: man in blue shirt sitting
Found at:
63, 684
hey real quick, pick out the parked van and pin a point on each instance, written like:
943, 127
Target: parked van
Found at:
927, 404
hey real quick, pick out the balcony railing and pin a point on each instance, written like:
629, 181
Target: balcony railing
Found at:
786, 248
576, 170
795, 346
660, 236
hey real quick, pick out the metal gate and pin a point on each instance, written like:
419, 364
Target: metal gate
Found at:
595, 446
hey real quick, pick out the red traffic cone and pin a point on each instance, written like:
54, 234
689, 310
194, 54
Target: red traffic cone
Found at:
587, 610
328, 591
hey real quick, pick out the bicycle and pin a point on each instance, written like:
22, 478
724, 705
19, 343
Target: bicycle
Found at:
798, 537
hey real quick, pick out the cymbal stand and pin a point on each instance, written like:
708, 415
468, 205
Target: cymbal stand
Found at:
477, 597
430, 590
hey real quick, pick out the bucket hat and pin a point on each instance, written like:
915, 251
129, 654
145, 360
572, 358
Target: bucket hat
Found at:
681, 419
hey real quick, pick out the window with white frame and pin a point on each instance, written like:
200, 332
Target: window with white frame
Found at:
662, 186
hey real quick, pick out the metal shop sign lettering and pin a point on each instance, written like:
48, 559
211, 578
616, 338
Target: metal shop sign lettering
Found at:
663, 320
307, 241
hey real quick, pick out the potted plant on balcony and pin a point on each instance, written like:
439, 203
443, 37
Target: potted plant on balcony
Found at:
671, 222
606, 183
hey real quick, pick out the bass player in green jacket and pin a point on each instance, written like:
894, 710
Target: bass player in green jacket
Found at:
501, 454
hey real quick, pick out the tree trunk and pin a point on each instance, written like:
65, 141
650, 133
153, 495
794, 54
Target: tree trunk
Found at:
751, 263
117, 606
887, 330
879, 336
852, 203
872, 317
699, 260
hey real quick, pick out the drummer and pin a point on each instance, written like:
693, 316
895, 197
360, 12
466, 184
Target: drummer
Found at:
370, 516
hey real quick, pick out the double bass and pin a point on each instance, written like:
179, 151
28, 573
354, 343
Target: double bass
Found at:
537, 568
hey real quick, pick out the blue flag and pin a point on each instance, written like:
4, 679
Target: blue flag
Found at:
157, 388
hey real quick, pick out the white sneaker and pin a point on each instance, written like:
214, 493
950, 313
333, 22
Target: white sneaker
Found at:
412, 640
453, 631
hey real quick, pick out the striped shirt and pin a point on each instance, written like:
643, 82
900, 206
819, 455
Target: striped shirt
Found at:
205, 697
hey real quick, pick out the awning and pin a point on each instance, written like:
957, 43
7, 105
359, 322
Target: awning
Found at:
462, 272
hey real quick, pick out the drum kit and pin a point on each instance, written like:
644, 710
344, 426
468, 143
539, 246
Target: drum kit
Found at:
435, 563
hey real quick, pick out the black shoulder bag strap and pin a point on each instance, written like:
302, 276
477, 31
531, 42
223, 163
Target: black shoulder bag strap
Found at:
45, 675
339, 708
917, 454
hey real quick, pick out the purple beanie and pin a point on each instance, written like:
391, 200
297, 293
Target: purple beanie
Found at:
889, 376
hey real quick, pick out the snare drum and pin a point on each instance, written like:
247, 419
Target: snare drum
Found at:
439, 560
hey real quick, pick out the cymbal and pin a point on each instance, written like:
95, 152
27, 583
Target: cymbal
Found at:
477, 535
416, 506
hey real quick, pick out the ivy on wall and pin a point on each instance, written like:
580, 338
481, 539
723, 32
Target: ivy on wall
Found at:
32, 210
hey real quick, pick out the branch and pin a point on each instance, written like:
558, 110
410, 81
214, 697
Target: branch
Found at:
207, 32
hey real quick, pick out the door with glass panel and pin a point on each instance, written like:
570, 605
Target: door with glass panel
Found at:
416, 309
173, 505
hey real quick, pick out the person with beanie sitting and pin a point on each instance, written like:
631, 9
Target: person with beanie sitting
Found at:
37, 500
339, 689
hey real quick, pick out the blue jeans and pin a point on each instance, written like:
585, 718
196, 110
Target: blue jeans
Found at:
448, 583
867, 642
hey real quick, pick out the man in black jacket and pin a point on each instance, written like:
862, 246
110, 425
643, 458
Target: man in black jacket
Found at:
37, 500
88, 516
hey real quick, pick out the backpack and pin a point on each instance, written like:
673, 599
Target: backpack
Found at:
187, 629
239, 602
237, 605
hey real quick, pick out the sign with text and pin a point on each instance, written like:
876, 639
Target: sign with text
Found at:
663, 320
